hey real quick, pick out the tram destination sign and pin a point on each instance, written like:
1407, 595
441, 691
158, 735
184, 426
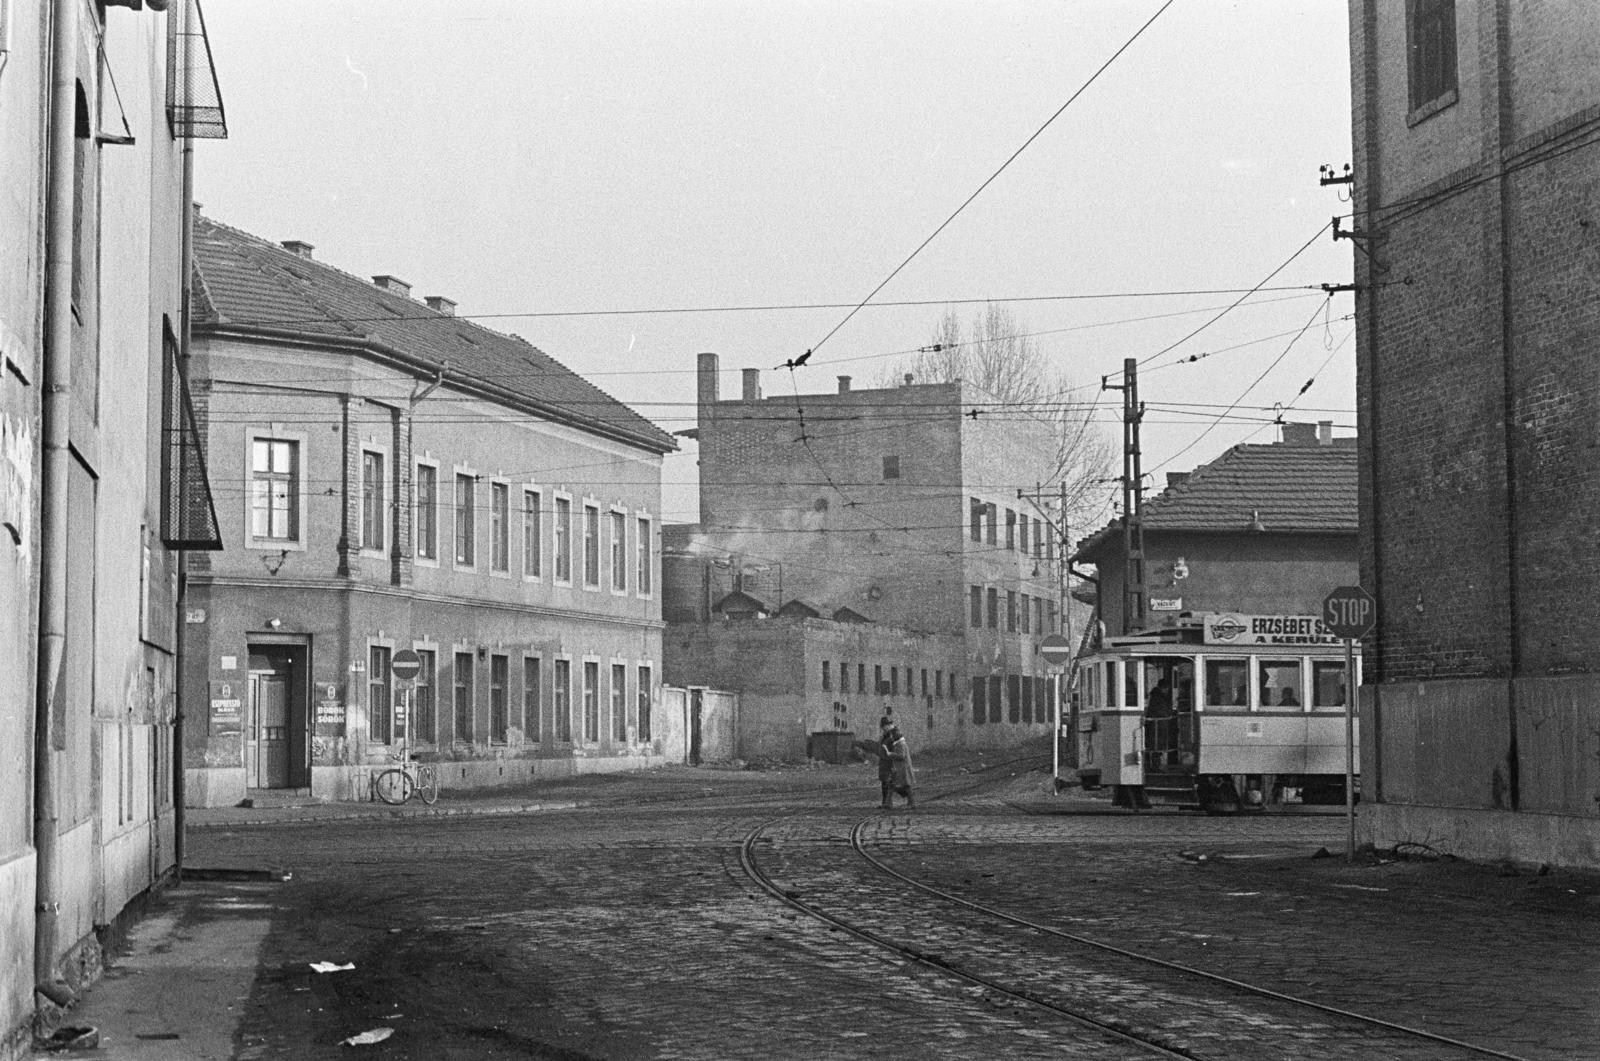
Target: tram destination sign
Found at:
1233, 628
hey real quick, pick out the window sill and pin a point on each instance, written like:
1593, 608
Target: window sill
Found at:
1430, 108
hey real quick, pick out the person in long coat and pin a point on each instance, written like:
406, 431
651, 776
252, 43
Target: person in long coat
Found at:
895, 773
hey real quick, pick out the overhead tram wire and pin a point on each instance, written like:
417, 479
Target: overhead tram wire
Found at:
1244, 393
776, 307
1287, 261
991, 178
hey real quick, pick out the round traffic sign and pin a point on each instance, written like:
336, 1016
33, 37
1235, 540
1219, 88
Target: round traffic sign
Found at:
1055, 649
406, 664
1349, 611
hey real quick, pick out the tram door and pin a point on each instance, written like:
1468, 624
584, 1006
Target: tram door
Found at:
1172, 730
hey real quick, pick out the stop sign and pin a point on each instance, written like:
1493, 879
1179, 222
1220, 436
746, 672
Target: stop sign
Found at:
1349, 611
406, 664
1055, 649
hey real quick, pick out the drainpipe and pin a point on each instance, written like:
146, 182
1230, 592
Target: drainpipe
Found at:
48, 739
180, 617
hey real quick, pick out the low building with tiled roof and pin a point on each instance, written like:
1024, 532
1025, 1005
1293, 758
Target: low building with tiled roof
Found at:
1263, 529
391, 478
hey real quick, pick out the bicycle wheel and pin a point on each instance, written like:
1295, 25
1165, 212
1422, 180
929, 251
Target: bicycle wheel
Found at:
428, 784
394, 786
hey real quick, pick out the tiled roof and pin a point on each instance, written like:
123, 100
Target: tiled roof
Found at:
246, 284
1292, 488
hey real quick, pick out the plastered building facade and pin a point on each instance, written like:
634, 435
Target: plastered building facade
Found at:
92, 484
390, 477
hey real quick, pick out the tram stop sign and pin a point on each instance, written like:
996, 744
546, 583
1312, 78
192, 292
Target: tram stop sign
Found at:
405, 665
1349, 612
1055, 649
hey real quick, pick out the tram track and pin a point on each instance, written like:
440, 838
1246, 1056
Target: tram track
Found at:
1132, 998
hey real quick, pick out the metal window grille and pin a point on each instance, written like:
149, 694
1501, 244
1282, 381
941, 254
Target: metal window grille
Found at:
645, 692
188, 513
194, 99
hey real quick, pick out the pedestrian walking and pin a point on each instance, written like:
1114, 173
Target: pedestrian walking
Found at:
895, 774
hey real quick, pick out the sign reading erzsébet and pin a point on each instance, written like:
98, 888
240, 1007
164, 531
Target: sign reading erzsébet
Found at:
1232, 628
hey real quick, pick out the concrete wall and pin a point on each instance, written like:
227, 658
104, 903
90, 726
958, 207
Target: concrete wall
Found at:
1478, 418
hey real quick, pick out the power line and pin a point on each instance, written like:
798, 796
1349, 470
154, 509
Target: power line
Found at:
1081, 89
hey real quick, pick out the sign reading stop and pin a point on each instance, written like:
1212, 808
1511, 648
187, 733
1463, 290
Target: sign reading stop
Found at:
405, 665
1055, 649
1349, 612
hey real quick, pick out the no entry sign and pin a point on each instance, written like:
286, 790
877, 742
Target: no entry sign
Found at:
406, 664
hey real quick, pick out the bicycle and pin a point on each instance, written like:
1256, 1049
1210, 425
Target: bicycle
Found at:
399, 783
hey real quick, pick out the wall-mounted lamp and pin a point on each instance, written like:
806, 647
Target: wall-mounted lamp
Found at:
274, 623
1255, 521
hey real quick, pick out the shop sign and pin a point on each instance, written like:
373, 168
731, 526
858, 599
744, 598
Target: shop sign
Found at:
1232, 628
330, 711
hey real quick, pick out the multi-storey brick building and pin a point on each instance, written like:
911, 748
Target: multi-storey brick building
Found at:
898, 507
390, 477
99, 474
1477, 195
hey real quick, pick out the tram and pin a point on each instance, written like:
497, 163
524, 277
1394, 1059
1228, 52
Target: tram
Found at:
1221, 712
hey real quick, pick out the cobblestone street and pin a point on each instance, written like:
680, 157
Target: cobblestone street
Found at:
630, 930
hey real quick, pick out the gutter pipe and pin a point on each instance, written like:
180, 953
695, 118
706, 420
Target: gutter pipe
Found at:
49, 738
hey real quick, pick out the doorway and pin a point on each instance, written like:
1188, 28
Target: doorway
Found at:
275, 718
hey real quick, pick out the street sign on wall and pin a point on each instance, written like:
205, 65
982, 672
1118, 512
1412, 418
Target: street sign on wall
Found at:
1349, 611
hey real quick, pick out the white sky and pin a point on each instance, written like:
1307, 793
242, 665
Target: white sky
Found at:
529, 157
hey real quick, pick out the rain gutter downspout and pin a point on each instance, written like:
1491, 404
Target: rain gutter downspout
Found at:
181, 612
48, 740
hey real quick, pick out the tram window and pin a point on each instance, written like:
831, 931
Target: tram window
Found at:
1227, 684
1130, 685
1327, 684
1280, 683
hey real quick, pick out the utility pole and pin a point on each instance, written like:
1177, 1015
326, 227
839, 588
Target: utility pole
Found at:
1133, 598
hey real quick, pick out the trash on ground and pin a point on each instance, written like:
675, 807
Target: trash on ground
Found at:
329, 967
73, 1037
376, 1035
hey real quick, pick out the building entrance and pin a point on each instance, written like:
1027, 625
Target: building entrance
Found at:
275, 720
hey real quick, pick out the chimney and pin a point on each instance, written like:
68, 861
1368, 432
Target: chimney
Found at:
1325, 432
844, 384
909, 378
706, 368
1176, 479
298, 247
752, 384
440, 304
393, 284
1300, 434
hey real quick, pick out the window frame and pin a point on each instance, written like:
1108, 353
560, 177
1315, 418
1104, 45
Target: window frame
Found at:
1432, 82
591, 545
428, 523
499, 699
644, 693
619, 700
532, 698
457, 736
425, 694
532, 534
499, 527
561, 700
619, 550
298, 494
590, 682
645, 553
374, 528
468, 515
380, 679
561, 540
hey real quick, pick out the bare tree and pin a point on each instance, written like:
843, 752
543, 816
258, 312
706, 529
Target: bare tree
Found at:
994, 353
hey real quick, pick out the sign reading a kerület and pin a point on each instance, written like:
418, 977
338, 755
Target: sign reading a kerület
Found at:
1232, 628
